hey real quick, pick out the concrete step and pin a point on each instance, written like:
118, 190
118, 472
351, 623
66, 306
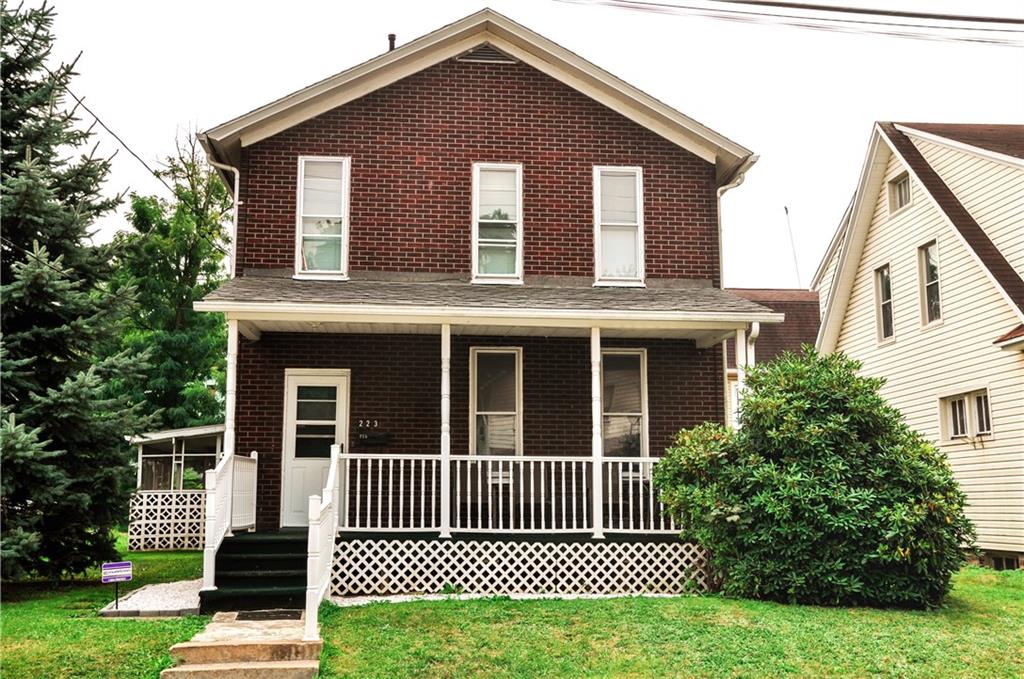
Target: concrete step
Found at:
205, 652
278, 669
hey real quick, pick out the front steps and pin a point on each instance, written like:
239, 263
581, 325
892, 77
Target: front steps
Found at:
258, 571
250, 649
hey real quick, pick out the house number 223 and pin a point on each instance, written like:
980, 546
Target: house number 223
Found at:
371, 424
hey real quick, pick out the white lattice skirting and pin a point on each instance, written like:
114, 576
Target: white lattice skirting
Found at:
496, 567
163, 520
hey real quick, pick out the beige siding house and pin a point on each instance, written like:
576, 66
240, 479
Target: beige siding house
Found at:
924, 283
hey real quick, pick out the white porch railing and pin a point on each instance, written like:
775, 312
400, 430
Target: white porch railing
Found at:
231, 483
323, 527
500, 494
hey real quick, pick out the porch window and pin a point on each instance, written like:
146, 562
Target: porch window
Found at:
931, 305
497, 223
624, 400
316, 416
883, 295
618, 225
496, 397
322, 219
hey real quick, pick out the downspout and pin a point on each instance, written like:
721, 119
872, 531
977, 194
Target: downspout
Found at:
755, 330
234, 206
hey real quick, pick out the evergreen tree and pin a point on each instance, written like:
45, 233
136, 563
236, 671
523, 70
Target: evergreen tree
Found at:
173, 257
64, 454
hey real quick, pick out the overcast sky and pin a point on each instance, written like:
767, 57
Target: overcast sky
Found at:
804, 100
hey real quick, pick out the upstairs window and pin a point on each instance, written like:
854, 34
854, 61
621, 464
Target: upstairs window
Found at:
899, 193
883, 294
618, 225
931, 305
497, 223
966, 416
321, 249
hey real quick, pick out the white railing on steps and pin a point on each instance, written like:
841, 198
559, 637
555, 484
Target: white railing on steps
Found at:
323, 528
230, 505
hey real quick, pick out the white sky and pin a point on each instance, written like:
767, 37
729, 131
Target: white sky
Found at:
803, 100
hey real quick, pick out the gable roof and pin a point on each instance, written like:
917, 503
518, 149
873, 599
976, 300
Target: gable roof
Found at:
224, 142
1007, 140
889, 138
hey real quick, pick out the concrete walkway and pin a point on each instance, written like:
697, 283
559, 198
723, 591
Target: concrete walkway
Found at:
163, 600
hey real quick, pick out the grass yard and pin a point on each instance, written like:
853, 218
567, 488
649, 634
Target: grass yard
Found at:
54, 633
980, 633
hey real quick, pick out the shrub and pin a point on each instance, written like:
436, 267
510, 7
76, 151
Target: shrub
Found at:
823, 496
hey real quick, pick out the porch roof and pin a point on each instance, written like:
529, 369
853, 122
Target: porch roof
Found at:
377, 302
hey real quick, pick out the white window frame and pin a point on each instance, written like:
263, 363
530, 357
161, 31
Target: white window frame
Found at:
644, 411
879, 306
972, 432
346, 181
599, 279
507, 279
893, 186
922, 280
473, 353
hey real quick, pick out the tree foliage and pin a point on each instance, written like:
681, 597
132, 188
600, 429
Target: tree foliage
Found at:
64, 455
823, 496
172, 257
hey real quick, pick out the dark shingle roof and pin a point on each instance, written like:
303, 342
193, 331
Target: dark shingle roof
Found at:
1005, 139
803, 317
1007, 277
549, 293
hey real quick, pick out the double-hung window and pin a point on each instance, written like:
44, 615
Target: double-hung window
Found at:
883, 296
321, 242
967, 415
931, 305
618, 225
497, 223
624, 402
899, 193
496, 401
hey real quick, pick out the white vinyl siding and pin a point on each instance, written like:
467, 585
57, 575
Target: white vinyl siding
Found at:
993, 192
321, 223
926, 365
497, 223
618, 225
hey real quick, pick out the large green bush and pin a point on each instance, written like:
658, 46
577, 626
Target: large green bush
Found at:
823, 495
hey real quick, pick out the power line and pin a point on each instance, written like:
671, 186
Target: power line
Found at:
835, 24
876, 12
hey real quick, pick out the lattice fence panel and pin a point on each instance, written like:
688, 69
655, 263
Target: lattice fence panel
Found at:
398, 566
163, 520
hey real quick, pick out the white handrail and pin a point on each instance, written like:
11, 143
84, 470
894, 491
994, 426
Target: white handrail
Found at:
243, 492
218, 515
323, 524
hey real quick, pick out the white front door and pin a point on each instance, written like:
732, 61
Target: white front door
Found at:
316, 416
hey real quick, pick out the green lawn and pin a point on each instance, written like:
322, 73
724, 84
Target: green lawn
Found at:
980, 633
52, 633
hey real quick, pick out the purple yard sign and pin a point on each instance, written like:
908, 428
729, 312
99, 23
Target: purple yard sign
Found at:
117, 571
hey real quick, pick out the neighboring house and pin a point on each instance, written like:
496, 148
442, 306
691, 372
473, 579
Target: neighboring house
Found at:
166, 510
924, 283
801, 327
490, 272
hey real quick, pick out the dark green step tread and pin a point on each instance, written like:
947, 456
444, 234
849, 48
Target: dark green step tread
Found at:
290, 536
266, 574
267, 556
231, 590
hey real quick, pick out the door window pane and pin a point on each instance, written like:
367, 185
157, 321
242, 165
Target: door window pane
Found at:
317, 408
496, 382
314, 440
495, 434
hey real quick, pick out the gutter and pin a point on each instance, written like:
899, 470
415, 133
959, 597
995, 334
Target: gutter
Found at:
234, 195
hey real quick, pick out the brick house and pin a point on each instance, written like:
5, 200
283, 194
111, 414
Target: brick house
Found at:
477, 289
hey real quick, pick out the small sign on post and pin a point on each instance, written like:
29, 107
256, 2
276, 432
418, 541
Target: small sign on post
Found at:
116, 572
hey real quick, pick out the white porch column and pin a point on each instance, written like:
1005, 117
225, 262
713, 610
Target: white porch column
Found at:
230, 378
597, 443
741, 371
446, 430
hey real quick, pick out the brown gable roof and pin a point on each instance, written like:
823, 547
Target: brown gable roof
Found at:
1005, 139
1004, 274
800, 327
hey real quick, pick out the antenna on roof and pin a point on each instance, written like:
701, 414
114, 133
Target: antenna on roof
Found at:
391, 41
792, 245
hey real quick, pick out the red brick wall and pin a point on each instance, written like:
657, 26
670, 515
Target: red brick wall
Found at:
396, 380
412, 145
